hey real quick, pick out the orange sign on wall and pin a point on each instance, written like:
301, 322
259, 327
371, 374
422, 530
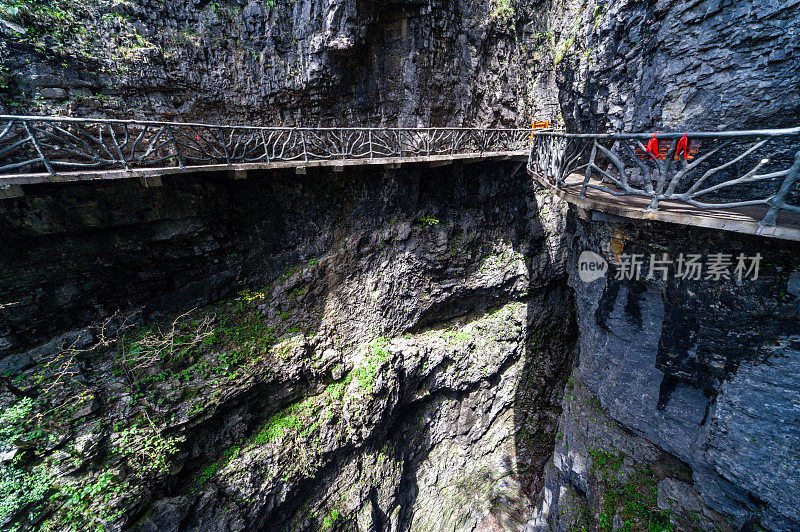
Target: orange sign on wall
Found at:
539, 125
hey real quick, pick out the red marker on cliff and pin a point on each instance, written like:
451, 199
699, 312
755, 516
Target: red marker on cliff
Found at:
652, 145
683, 145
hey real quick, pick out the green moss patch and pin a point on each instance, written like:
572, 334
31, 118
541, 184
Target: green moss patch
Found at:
632, 496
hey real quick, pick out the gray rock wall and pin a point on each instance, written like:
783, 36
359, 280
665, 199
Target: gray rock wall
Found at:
699, 370
309, 62
603, 66
77, 253
674, 65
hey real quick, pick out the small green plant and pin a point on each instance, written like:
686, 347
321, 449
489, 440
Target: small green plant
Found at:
4, 76
330, 519
207, 472
605, 460
146, 449
502, 10
632, 496
426, 220
89, 502
279, 425
250, 296
297, 292
21, 487
377, 354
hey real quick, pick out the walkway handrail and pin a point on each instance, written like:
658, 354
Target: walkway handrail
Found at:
676, 135
716, 170
32, 118
54, 145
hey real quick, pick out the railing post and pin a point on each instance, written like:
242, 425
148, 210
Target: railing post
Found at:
431, 133
175, 145
369, 142
530, 153
400, 141
653, 203
224, 145
120, 155
305, 148
663, 170
588, 174
39, 149
778, 201
266, 149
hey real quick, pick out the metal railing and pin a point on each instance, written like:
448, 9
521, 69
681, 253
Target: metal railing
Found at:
54, 145
722, 170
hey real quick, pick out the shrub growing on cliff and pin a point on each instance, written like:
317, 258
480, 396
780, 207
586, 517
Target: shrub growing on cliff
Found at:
19, 486
146, 449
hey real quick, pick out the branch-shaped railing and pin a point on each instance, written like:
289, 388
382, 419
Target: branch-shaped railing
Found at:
57, 145
723, 170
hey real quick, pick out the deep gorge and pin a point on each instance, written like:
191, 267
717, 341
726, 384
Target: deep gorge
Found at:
386, 349
437, 297
403, 348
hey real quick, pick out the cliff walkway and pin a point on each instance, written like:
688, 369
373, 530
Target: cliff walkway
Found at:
41, 150
743, 181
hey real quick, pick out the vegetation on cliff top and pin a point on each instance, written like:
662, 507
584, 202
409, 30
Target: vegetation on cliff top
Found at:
73, 28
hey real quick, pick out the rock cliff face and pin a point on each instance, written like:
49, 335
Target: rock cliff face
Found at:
639, 66
400, 366
304, 62
684, 393
603, 66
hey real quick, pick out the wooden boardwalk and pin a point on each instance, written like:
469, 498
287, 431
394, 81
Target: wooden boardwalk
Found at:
37, 149
737, 219
41, 150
